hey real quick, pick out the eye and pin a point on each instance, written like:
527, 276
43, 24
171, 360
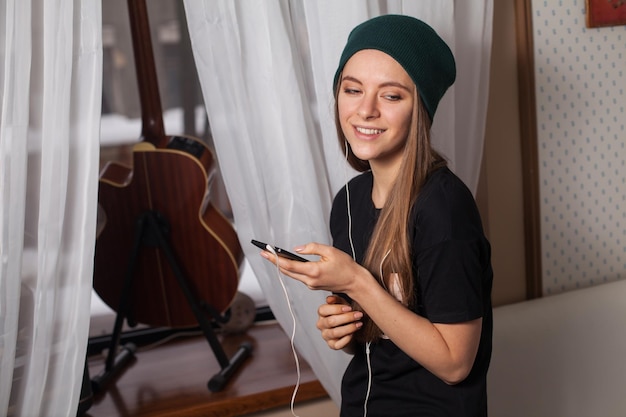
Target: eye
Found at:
351, 90
392, 97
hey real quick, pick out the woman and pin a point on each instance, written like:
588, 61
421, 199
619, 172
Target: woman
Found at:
410, 265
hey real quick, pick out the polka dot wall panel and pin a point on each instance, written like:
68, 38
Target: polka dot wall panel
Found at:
580, 76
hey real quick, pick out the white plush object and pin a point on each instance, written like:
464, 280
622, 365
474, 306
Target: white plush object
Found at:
561, 355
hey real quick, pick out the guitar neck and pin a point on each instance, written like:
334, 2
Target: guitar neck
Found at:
152, 126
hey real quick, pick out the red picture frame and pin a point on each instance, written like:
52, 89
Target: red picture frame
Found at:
605, 13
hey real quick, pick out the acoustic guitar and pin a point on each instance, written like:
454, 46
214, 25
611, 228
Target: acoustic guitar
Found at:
170, 178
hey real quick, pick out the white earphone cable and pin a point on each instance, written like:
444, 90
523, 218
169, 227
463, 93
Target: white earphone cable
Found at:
368, 347
345, 174
293, 333
368, 344
369, 378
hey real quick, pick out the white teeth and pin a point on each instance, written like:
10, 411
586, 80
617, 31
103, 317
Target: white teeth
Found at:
369, 131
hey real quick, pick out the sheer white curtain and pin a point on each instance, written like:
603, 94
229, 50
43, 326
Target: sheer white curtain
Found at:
50, 95
266, 71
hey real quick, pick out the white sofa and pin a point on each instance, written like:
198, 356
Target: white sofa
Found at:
561, 355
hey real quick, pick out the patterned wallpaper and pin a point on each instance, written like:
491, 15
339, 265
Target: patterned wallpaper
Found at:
580, 76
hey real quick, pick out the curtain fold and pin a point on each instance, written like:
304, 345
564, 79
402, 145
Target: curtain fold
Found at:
50, 91
266, 70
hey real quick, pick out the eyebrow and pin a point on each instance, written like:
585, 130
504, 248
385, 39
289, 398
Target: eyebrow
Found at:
385, 84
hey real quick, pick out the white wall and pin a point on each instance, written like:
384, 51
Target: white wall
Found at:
580, 77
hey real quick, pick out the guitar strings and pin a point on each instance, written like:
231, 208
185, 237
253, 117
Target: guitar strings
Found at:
293, 332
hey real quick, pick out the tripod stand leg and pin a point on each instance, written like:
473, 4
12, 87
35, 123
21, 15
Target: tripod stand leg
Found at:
120, 361
228, 366
116, 361
217, 382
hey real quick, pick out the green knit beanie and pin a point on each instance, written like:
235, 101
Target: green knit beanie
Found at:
414, 45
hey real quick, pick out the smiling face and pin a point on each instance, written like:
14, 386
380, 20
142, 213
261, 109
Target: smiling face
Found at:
375, 104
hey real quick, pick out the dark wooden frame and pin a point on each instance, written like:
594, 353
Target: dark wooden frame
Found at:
605, 13
528, 133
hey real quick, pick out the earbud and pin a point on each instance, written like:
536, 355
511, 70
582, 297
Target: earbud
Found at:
270, 249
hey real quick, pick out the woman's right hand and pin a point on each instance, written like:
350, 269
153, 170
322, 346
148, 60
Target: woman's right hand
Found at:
338, 322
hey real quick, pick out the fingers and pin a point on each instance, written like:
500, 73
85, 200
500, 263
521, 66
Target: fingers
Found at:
314, 248
338, 322
336, 299
335, 271
339, 337
310, 248
338, 344
334, 305
282, 262
305, 272
335, 321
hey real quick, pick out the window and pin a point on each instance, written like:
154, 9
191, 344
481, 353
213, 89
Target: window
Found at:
181, 102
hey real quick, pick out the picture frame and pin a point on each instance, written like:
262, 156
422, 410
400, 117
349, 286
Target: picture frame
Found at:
602, 13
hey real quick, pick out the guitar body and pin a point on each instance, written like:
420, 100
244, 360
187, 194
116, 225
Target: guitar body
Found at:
173, 181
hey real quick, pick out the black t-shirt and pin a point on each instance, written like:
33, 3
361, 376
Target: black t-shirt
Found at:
452, 258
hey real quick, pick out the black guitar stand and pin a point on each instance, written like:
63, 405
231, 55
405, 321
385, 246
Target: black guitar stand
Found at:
151, 230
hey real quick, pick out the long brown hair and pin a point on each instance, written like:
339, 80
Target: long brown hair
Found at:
389, 248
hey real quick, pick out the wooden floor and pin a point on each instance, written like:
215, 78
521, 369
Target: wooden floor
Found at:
171, 379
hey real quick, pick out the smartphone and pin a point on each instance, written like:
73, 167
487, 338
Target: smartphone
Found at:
280, 252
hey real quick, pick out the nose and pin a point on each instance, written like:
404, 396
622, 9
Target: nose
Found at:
368, 107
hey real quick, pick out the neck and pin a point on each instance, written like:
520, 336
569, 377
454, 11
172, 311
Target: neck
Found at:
384, 179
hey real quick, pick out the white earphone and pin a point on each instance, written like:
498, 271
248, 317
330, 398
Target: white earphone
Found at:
293, 332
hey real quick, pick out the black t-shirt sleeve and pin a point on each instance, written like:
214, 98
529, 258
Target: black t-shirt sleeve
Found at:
452, 253
449, 278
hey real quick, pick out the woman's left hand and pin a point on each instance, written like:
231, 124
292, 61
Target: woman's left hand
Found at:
335, 271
